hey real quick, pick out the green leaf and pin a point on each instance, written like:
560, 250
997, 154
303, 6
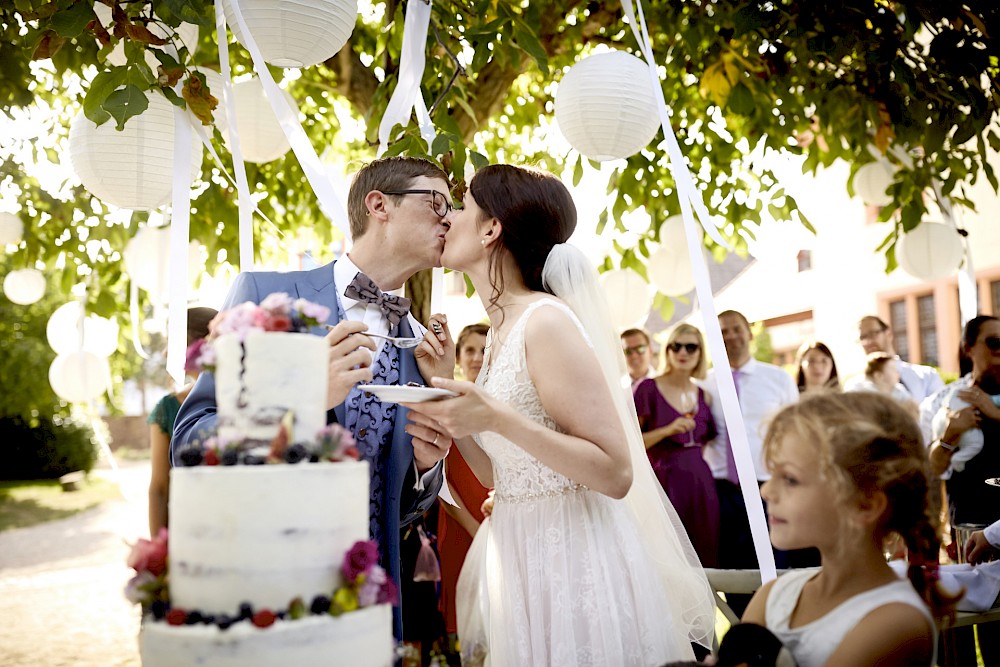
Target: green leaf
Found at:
442, 144
602, 221
125, 103
741, 100
72, 21
528, 42
103, 85
578, 172
191, 11
478, 160
173, 97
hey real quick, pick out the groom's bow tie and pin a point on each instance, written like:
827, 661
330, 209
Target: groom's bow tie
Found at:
393, 307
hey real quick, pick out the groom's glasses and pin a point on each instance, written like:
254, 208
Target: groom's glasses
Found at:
439, 201
690, 347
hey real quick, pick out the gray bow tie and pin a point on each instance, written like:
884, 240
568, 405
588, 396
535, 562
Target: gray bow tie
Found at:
393, 307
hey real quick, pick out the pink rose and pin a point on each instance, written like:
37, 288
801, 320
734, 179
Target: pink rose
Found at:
278, 323
150, 555
389, 594
192, 360
359, 559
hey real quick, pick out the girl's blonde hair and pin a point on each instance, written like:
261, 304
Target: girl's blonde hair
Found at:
701, 368
867, 443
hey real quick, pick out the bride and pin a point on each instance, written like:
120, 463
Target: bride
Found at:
583, 561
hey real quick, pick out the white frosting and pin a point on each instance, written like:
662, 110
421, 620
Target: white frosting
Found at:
257, 382
360, 638
262, 534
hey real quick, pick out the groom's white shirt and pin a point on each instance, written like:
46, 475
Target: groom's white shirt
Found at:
344, 271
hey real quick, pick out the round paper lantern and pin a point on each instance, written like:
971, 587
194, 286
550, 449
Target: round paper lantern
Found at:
931, 251
871, 181
79, 376
147, 261
132, 168
24, 286
261, 137
100, 335
11, 228
628, 297
605, 106
670, 270
295, 33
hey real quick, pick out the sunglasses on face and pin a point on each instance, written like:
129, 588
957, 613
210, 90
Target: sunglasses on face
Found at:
439, 201
690, 347
992, 343
638, 349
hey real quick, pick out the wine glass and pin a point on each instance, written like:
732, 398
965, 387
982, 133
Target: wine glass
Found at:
688, 403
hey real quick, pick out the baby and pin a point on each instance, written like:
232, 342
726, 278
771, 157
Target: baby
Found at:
971, 442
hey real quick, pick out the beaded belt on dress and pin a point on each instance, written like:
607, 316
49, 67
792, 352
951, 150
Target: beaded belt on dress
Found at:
554, 493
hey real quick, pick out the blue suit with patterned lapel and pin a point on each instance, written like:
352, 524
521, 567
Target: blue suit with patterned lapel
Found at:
403, 504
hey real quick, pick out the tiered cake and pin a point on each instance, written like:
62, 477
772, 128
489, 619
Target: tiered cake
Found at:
259, 531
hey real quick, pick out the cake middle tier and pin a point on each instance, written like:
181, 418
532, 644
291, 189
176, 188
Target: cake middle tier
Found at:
262, 534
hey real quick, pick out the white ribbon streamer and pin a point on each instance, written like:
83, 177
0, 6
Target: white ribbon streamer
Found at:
407, 95
244, 201
133, 313
329, 202
179, 239
691, 202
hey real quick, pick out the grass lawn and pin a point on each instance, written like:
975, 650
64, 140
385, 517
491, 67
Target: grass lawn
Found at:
26, 503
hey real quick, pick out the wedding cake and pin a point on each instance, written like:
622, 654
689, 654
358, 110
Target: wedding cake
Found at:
268, 552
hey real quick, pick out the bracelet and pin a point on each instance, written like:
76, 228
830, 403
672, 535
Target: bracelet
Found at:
946, 447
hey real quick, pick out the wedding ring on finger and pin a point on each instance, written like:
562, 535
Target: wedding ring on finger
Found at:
435, 440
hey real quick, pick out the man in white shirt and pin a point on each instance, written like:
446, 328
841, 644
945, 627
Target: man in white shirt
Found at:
876, 336
983, 545
763, 389
638, 351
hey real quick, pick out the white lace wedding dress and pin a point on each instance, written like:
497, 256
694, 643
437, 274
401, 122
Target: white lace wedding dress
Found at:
559, 574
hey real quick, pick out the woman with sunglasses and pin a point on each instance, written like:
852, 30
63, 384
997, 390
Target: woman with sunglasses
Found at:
676, 421
970, 499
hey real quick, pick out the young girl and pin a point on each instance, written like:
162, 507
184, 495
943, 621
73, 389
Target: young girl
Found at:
882, 375
848, 470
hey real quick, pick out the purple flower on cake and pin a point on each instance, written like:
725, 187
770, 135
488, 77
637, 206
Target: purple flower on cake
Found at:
359, 559
137, 589
337, 444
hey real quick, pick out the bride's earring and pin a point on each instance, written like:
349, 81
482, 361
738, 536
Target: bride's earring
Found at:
482, 242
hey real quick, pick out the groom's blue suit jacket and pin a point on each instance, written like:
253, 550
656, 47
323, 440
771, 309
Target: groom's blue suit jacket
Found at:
196, 418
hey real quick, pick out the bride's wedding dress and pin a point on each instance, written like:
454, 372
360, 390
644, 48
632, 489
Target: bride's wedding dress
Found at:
559, 574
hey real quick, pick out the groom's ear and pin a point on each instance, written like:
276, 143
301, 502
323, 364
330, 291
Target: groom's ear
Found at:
375, 205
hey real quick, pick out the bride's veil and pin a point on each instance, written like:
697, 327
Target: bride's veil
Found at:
569, 275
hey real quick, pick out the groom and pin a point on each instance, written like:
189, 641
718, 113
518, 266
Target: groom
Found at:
397, 208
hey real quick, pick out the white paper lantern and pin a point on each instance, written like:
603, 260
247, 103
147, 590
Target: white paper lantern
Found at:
11, 228
24, 286
147, 261
261, 137
931, 251
100, 335
871, 181
670, 270
295, 33
79, 376
132, 168
628, 297
605, 106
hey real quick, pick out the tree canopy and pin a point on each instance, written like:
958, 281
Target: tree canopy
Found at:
830, 80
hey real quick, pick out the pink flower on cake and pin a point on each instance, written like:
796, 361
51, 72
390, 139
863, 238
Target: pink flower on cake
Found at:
337, 444
150, 555
361, 557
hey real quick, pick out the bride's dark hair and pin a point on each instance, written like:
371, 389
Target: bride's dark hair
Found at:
535, 211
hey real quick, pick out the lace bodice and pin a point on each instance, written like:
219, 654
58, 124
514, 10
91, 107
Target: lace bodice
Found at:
517, 475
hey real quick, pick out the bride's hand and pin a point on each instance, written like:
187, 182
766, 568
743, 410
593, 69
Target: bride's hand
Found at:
472, 411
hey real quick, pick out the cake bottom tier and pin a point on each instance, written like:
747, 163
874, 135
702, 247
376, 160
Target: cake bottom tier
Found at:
361, 638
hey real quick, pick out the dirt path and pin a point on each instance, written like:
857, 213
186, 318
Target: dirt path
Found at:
61, 585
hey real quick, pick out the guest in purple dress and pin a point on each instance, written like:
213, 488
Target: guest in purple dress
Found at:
676, 421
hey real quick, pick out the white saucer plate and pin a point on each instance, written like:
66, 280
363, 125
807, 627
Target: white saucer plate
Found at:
394, 393
993, 481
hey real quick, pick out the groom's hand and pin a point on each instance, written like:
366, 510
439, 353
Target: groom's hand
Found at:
349, 362
436, 354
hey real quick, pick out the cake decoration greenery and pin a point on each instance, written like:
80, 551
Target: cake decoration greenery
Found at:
365, 584
333, 443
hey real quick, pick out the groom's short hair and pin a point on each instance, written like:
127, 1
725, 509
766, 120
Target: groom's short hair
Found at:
389, 173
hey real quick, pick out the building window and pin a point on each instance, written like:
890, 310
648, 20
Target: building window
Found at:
897, 320
995, 297
805, 260
928, 330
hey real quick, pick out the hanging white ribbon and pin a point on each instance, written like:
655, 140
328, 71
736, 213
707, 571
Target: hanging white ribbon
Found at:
244, 201
412, 61
968, 293
691, 202
179, 239
329, 202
